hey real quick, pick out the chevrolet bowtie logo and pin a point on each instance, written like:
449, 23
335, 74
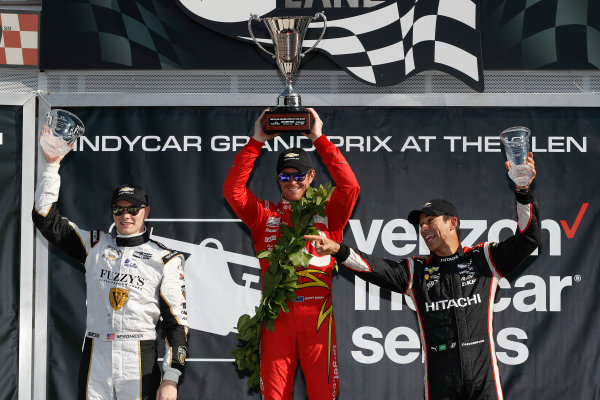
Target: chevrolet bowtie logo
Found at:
290, 155
126, 190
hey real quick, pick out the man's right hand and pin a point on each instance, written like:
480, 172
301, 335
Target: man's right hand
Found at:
531, 164
49, 159
259, 133
323, 245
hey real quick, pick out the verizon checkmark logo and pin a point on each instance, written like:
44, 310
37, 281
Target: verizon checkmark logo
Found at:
570, 232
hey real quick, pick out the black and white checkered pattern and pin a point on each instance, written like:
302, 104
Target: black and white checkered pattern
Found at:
383, 47
560, 34
136, 34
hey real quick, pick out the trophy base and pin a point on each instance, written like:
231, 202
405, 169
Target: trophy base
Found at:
287, 119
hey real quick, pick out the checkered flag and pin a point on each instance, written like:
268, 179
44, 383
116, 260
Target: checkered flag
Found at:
384, 47
19, 39
381, 46
562, 34
136, 34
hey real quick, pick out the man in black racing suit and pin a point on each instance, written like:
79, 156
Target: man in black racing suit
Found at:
453, 290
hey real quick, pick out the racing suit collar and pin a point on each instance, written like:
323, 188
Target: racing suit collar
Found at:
132, 240
435, 259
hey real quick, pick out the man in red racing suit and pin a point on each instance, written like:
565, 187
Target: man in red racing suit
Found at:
307, 332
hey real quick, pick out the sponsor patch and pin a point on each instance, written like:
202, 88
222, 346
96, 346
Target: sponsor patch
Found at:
181, 354
269, 239
111, 253
118, 297
273, 222
464, 265
170, 256
94, 238
142, 254
130, 263
432, 276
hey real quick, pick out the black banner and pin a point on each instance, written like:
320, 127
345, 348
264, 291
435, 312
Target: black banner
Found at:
11, 144
546, 322
158, 34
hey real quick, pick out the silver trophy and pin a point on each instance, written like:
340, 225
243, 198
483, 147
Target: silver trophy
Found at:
60, 131
287, 34
516, 145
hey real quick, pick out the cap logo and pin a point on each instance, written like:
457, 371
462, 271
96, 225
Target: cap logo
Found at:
126, 190
427, 205
292, 155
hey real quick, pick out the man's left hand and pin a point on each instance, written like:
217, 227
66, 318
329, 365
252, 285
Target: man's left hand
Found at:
167, 391
317, 126
531, 164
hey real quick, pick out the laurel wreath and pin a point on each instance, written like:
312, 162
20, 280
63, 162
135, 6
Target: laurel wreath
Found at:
280, 280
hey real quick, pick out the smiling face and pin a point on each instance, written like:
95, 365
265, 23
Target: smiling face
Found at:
293, 190
439, 233
128, 224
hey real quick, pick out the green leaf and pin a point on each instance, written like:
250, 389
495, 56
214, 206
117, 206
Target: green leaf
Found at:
295, 219
306, 219
300, 242
300, 258
264, 254
291, 296
291, 284
312, 231
286, 233
254, 379
290, 269
270, 324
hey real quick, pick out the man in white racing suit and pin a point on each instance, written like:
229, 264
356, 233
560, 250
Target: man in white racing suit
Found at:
132, 283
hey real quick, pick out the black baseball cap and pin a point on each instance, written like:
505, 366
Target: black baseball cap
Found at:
294, 158
134, 194
434, 208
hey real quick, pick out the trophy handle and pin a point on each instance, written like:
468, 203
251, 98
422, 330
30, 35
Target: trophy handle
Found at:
256, 17
317, 15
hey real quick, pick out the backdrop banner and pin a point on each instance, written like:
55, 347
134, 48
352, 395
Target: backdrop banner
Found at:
11, 141
546, 319
373, 40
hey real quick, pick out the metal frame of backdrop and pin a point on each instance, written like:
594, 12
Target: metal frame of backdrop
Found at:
222, 89
24, 95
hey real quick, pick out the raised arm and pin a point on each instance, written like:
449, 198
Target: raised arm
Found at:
243, 202
340, 206
57, 229
508, 254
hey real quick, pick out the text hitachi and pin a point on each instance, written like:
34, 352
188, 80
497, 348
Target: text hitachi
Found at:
446, 304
